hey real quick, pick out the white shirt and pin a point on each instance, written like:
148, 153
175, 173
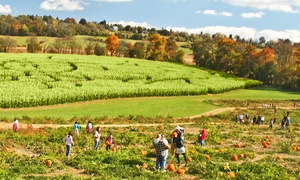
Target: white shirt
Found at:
69, 140
97, 136
16, 122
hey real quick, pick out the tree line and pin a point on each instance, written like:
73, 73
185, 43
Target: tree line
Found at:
274, 63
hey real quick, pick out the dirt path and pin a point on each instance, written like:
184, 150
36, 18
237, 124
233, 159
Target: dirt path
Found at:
4, 125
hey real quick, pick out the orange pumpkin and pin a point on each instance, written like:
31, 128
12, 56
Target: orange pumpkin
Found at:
144, 165
207, 157
242, 155
174, 134
237, 145
107, 143
221, 150
234, 158
189, 159
191, 151
171, 167
265, 145
279, 158
114, 149
144, 152
48, 162
180, 171
231, 174
220, 142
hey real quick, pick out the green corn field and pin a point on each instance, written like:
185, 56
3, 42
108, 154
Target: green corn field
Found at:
28, 80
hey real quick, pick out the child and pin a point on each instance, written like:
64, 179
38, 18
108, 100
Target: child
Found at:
15, 125
202, 137
108, 140
89, 127
76, 128
69, 142
97, 137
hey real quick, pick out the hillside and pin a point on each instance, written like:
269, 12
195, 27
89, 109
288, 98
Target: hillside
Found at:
43, 79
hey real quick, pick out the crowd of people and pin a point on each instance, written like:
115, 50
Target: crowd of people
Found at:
68, 139
260, 119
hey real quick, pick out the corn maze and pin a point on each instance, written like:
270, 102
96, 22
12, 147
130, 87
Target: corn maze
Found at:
28, 80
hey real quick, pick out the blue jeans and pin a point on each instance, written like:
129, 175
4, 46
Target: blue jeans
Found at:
160, 162
68, 150
96, 145
165, 159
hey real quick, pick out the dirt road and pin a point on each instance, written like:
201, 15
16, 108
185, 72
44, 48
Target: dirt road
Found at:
4, 125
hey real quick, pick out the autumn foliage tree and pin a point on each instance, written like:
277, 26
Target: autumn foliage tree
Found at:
156, 47
111, 44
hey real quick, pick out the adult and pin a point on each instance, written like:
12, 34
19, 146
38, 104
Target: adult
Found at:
288, 121
160, 154
108, 140
180, 148
69, 143
15, 125
76, 128
156, 140
262, 119
97, 136
241, 116
202, 137
247, 117
258, 120
174, 137
89, 127
254, 119
166, 149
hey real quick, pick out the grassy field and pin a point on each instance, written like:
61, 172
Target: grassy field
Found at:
182, 106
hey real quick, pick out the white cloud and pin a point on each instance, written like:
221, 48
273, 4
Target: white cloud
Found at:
62, 5
243, 32
293, 35
288, 6
253, 15
112, 1
133, 24
214, 12
210, 12
5, 9
226, 14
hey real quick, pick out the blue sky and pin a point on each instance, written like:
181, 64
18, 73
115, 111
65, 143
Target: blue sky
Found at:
271, 19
